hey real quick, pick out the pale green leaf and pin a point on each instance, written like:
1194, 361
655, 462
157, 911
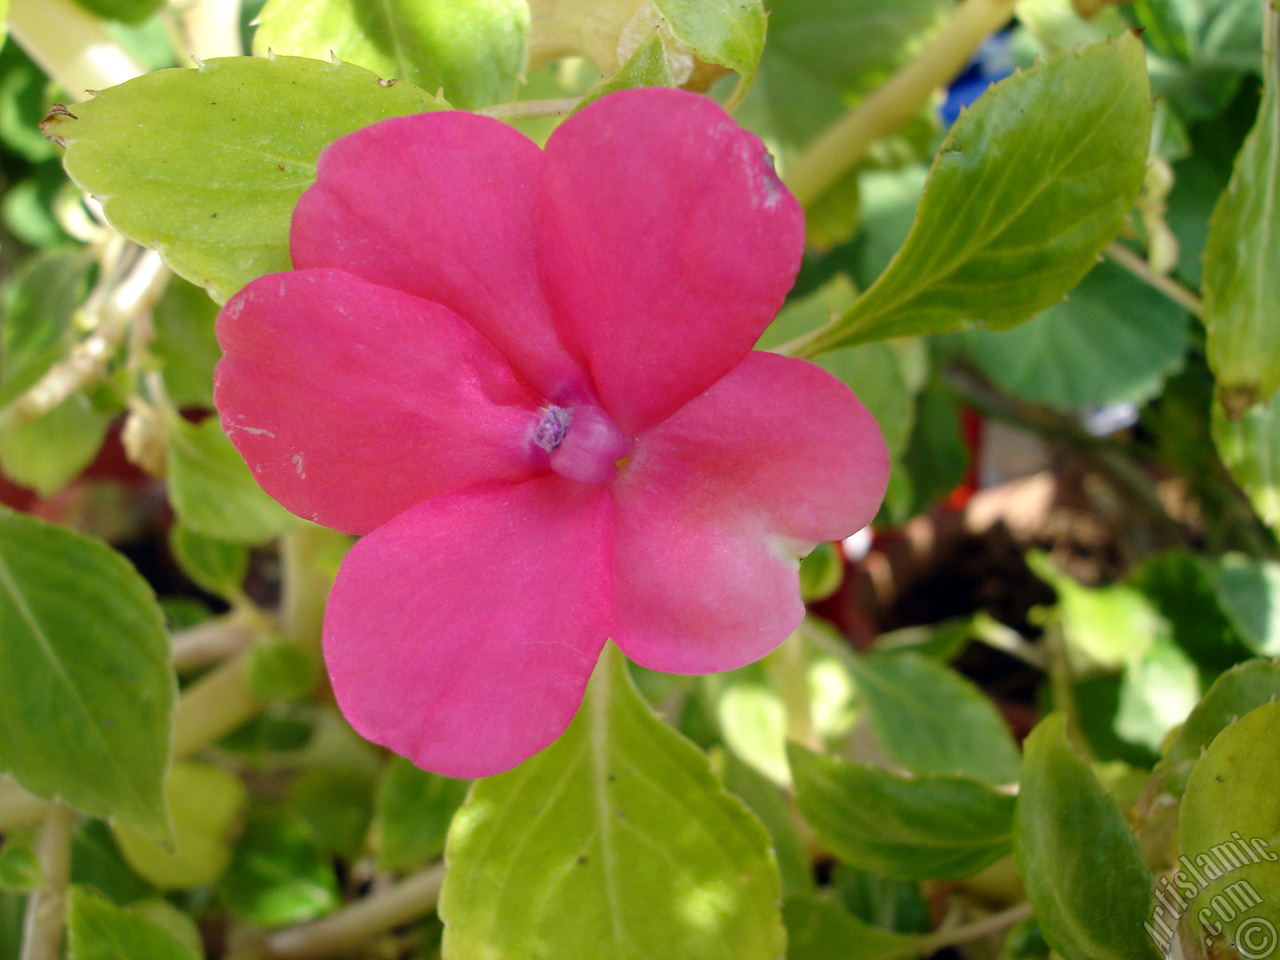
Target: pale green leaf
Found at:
1105, 628
1248, 591
1030, 185
19, 867
1157, 692
213, 492
39, 302
1114, 339
931, 720
934, 826
206, 804
414, 810
281, 670
773, 806
1241, 689
214, 565
1081, 866
185, 343
729, 33
621, 825
647, 67
87, 693
99, 930
1250, 449
817, 929
1230, 829
205, 165
474, 51
1242, 259
51, 451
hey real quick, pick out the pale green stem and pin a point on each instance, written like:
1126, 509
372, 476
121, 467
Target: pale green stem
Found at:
213, 707
1122, 256
18, 808
71, 45
214, 640
844, 143
1062, 683
342, 932
47, 907
136, 294
304, 587
788, 668
967, 933
996, 635
532, 109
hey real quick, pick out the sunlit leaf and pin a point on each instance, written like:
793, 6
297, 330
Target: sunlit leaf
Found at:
621, 825
99, 930
1228, 826
473, 51
148, 148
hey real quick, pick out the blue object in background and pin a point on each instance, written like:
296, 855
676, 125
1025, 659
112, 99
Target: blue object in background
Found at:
991, 63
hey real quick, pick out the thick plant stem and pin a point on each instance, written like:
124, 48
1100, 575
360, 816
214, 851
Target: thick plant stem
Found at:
212, 641
305, 583
967, 933
213, 707
886, 110
136, 294
532, 109
344, 931
18, 808
787, 667
47, 906
1122, 256
71, 45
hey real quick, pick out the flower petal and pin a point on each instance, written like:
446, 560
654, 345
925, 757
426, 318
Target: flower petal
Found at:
719, 501
352, 402
667, 244
443, 206
462, 633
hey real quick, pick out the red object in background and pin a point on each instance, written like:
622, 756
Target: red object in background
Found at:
111, 463
971, 429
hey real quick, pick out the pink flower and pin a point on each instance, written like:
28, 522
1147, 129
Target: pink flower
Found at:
526, 378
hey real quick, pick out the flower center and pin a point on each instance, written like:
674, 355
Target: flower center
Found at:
583, 444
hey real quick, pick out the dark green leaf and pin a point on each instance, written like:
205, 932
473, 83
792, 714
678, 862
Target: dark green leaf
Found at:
414, 810
279, 876
87, 693
1081, 866
213, 492
934, 826
931, 720
1030, 185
